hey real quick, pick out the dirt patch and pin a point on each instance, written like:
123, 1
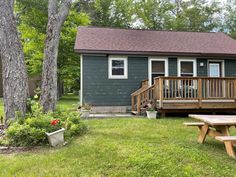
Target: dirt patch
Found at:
11, 150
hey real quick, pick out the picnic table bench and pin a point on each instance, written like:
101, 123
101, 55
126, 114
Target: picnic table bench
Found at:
216, 126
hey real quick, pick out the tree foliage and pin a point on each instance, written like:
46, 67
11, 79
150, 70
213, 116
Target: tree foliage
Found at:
110, 13
191, 15
68, 59
32, 21
230, 18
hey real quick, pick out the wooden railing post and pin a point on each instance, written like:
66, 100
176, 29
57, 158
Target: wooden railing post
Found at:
160, 92
139, 103
199, 92
144, 83
155, 89
132, 103
235, 90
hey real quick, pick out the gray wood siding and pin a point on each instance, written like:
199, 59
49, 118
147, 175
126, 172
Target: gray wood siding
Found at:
202, 70
230, 68
98, 90
172, 66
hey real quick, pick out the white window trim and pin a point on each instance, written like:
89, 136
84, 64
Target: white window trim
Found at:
188, 60
222, 66
150, 59
125, 59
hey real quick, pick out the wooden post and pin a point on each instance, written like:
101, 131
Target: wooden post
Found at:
234, 89
132, 102
160, 92
144, 83
199, 92
155, 89
139, 103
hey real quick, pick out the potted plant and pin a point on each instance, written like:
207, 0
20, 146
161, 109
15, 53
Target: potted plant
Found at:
56, 137
85, 111
151, 113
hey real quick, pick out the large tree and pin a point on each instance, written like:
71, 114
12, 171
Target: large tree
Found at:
57, 14
229, 21
15, 83
184, 15
154, 14
32, 23
195, 15
108, 13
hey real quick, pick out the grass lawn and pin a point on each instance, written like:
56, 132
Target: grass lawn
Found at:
126, 147
68, 102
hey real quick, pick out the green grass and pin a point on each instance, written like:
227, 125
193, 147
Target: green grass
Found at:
126, 147
68, 101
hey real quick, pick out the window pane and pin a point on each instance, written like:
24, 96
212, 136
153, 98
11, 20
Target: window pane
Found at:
158, 66
118, 71
117, 63
214, 70
186, 67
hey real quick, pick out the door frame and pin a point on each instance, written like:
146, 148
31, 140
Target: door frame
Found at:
216, 61
150, 60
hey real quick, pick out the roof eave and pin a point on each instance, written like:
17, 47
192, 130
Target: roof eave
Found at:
85, 51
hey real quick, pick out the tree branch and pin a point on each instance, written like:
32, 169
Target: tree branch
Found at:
63, 11
52, 7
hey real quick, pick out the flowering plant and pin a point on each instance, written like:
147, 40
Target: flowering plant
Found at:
55, 124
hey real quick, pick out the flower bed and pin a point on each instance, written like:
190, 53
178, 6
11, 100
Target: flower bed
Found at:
31, 131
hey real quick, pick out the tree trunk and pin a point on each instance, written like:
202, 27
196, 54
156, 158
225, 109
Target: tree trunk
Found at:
15, 82
56, 18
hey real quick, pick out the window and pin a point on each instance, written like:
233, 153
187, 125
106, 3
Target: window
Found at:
214, 69
118, 67
157, 67
187, 68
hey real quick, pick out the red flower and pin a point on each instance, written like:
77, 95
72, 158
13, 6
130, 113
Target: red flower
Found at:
55, 121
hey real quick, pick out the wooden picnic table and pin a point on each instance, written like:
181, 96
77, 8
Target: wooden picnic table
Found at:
217, 126
219, 123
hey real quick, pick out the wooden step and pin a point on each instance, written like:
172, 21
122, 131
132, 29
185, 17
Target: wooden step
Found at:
226, 138
193, 123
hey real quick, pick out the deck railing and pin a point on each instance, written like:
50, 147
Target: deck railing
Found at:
184, 88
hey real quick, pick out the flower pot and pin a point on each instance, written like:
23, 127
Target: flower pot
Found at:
56, 138
84, 113
151, 114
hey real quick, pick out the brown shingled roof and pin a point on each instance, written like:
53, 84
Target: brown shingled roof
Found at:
129, 41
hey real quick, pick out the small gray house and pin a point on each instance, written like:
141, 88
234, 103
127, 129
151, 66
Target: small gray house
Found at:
124, 69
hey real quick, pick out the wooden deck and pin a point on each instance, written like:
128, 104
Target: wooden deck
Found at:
187, 94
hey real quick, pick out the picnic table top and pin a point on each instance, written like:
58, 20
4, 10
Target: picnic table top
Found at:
216, 119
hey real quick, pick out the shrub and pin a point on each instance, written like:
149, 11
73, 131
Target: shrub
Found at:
24, 135
32, 130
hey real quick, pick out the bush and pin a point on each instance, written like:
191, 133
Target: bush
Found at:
32, 130
24, 135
